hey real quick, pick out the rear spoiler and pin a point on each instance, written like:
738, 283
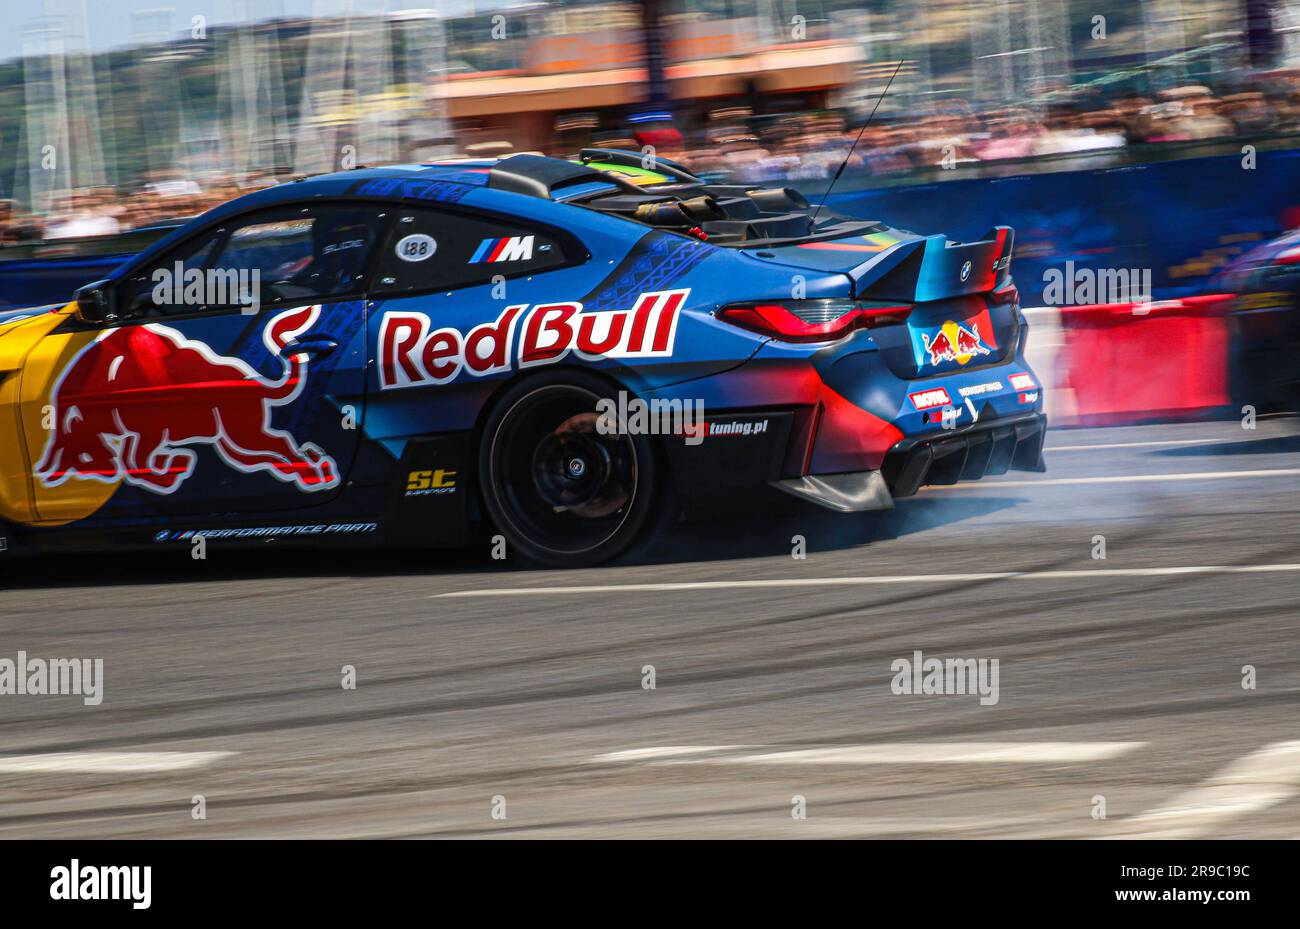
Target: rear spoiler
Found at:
933, 268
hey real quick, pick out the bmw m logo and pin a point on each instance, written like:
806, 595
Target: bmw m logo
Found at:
965, 272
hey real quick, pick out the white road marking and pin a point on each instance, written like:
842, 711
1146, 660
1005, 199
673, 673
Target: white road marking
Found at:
1114, 479
1262, 779
1083, 448
107, 762
852, 581
896, 753
661, 752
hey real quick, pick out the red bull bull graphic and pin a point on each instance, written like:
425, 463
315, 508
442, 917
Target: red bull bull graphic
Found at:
131, 406
954, 342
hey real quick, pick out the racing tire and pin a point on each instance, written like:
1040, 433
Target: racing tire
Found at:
562, 493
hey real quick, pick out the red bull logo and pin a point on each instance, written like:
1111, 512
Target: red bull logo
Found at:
131, 406
954, 342
414, 353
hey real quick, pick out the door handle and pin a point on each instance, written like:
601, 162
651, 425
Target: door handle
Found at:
316, 345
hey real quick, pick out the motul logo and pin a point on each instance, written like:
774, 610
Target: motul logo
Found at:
412, 353
929, 399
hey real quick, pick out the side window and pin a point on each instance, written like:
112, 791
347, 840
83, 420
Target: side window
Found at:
293, 255
433, 250
160, 289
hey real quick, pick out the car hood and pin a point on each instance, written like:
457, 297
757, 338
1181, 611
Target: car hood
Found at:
34, 322
9, 319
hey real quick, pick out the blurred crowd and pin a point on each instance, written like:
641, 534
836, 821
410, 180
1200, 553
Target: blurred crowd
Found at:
103, 211
801, 146
734, 143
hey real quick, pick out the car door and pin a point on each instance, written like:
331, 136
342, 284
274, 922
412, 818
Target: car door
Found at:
232, 384
449, 288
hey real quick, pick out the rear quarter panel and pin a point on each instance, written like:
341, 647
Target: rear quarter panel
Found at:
626, 261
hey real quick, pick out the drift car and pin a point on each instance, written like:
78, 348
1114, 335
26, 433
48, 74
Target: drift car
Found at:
426, 348
1264, 322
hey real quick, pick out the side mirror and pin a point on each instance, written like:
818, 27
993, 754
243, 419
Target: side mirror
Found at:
95, 304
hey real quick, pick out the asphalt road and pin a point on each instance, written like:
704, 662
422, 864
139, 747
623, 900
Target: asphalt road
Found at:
1119, 680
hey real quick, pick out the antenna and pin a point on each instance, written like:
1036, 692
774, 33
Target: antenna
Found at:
844, 164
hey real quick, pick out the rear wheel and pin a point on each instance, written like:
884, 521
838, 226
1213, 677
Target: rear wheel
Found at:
562, 493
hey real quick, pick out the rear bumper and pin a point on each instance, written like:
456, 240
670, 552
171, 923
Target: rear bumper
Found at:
1009, 443
1012, 443
852, 492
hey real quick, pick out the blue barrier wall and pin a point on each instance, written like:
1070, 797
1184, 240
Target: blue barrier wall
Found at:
1180, 219
38, 281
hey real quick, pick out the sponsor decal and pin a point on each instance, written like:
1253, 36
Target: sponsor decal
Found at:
4, 544
946, 417
412, 353
343, 246
1022, 382
509, 248
954, 342
415, 247
262, 532
430, 483
965, 271
130, 406
1031, 397
736, 429
977, 389
929, 399
444, 191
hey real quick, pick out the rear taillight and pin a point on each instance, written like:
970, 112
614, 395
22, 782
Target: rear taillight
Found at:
1007, 293
812, 320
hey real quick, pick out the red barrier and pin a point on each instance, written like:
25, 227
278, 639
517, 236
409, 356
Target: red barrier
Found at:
1129, 362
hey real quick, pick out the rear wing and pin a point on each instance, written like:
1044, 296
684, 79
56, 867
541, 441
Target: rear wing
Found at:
934, 268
